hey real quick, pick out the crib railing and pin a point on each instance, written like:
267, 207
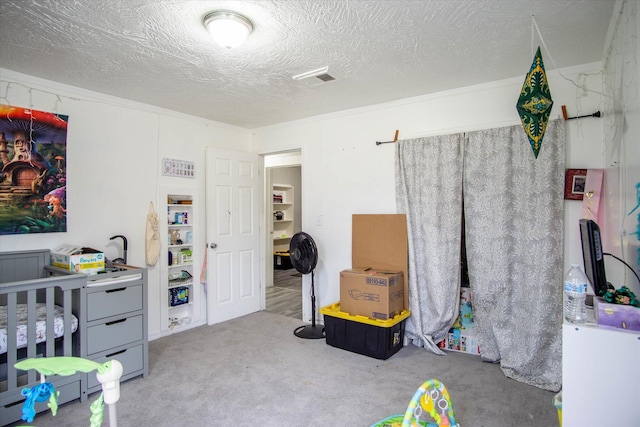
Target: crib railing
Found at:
63, 289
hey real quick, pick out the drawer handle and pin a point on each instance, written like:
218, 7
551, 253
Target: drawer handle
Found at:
116, 353
115, 321
115, 290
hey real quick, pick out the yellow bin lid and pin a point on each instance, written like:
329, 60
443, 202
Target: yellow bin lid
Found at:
334, 311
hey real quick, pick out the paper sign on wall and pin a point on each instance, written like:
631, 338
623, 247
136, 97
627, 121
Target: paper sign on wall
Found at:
179, 168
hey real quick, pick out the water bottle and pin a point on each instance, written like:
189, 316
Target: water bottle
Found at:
575, 294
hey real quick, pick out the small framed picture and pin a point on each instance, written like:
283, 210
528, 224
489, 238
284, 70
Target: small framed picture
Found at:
574, 183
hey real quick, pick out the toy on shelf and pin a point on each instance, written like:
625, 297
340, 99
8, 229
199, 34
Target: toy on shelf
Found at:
431, 398
108, 374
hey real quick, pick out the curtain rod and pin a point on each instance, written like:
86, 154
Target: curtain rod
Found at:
389, 142
464, 129
566, 117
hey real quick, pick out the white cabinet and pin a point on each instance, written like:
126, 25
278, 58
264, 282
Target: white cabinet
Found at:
181, 296
283, 223
600, 377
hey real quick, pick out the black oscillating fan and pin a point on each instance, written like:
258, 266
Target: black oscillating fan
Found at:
304, 257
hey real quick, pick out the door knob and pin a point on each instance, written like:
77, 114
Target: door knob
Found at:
213, 245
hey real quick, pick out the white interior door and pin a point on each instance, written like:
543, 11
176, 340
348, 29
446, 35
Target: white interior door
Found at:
233, 212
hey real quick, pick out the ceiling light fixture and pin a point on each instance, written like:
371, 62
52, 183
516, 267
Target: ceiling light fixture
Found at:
228, 29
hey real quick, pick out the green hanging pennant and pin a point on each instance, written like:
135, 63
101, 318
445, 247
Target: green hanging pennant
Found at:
534, 104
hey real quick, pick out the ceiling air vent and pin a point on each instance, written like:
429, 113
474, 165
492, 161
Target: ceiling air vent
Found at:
314, 77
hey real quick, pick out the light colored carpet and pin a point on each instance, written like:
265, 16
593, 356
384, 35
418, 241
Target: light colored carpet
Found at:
253, 371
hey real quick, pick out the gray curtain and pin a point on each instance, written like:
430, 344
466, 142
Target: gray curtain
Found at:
429, 192
514, 212
513, 206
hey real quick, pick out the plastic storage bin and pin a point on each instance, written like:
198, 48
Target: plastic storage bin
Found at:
282, 260
375, 338
557, 402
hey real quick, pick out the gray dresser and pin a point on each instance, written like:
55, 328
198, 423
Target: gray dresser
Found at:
115, 324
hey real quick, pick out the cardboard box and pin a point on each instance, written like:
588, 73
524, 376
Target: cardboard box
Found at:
78, 259
465, 316
460, 340
372, 293
374, 338
617, 316
461, 337
380, 241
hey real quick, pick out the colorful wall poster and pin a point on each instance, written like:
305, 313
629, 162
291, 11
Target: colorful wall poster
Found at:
33, 181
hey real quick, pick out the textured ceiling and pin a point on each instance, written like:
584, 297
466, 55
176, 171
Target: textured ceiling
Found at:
158, 52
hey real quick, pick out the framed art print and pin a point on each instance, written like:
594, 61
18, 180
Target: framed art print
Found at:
574, 184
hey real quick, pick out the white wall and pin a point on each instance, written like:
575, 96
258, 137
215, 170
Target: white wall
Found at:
622, 146
115, 148
344, 172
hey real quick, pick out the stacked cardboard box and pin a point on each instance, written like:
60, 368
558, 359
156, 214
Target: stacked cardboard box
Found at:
372, 293
379, 247
369, 319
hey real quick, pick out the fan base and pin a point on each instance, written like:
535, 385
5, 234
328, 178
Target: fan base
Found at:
310, 332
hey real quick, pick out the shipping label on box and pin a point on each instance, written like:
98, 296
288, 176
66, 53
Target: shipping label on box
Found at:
78, 259
372, 293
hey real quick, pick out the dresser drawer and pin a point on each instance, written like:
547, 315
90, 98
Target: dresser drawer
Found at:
113, 334
131, 359
112, 302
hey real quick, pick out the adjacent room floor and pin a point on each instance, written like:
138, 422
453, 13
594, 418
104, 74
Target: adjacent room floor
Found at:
285, 296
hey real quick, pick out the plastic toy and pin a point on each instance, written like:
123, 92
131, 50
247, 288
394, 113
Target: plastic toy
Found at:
108, 374
431, 398
39, 393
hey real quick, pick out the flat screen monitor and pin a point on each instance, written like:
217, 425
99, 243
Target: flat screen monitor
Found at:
593, 255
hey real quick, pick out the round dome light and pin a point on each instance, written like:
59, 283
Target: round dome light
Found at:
228, 29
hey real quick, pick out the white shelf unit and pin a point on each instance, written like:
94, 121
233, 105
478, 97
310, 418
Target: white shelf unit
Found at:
283, 223
600, 379
180, 303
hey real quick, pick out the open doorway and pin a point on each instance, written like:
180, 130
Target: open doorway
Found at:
283, 196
